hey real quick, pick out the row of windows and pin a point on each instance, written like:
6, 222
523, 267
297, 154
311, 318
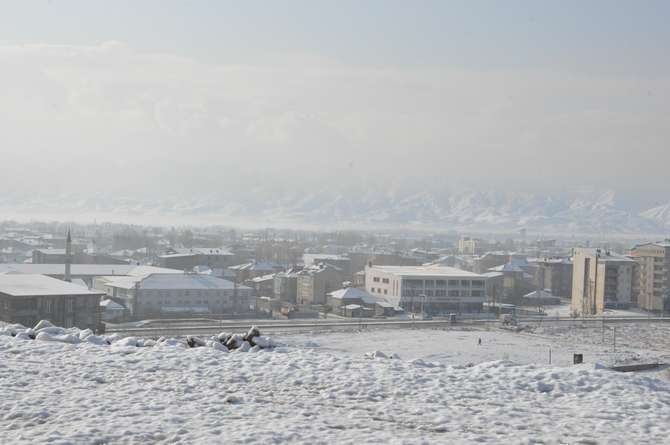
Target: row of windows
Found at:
379, 290
443, 293
442, 283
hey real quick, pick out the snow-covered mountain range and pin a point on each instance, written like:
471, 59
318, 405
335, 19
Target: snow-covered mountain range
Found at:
567, 212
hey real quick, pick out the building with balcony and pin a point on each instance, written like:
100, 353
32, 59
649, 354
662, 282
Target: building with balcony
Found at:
652, 277
431, 289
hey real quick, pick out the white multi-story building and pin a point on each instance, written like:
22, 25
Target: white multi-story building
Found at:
433, 289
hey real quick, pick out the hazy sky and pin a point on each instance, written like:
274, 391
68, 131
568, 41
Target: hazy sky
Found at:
164, 96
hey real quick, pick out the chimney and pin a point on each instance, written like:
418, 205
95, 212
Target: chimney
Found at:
68, 257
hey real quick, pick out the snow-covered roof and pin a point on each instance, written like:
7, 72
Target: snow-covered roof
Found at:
543, 293
349, 293
427, 271
353, 306
506, 268
111, 305
172, 281
85, 269
28, 285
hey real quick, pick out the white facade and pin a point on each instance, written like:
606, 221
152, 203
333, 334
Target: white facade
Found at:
433, 288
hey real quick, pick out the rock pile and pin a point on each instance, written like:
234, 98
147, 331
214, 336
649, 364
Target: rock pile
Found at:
252, 341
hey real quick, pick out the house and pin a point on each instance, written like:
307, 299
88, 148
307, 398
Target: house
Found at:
29, 298
434, 289
341, 298
113, 311
160, 295
541, 297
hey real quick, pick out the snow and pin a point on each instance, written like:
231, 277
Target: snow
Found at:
417, 386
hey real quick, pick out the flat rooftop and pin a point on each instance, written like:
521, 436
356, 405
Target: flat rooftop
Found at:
427, 271
29, 285
84, 269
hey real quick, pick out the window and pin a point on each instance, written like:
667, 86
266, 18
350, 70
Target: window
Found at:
385, 280
440, 284
477, 293
465, 283
372, 289
454, 293
477, 283
386, 292
453, 282
375, 279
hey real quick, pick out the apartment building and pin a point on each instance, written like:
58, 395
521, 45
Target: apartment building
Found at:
433, 289
652, 278
601, 279
554, 275
315, 282
175, 294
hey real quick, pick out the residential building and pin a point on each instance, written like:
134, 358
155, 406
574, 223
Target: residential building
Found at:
339, 261
29, 298
472, 246
652, 277
314, 282
553, 274
85, 272
600, 279
341, 298
254, 269
176, 294
286, 286
264, 286
433, 289
187, 259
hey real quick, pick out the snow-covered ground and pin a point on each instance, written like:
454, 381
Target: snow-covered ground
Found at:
323, 388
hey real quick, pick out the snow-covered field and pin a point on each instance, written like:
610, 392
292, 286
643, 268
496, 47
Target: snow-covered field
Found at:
323, 388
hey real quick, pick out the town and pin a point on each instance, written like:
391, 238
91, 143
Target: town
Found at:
90, 276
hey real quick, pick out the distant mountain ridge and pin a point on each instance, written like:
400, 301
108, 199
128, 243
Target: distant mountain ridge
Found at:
565, 213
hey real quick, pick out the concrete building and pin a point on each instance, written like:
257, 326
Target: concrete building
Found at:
264, 286
286, 286
85, 272
472, 246
254, 269
434, 289
315, 282
553, 274
600, 279
652, 277
28, 298
186, 259
339, 261
165, 295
